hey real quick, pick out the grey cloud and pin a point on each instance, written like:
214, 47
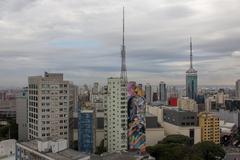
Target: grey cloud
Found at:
157, 38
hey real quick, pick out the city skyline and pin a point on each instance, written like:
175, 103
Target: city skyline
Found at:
82, 40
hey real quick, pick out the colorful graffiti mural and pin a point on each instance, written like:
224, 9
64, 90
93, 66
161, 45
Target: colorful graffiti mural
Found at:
136, 117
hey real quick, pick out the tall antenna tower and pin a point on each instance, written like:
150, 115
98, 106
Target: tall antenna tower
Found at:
123, 52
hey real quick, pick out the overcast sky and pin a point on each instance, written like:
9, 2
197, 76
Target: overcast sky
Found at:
82, 39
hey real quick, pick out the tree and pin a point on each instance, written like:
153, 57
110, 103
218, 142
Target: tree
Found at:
101, 148
10, 130
177, 139
172, 151
209, 151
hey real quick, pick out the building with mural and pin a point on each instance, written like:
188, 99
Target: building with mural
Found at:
136, 117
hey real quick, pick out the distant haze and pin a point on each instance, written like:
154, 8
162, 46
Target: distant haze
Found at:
82, 38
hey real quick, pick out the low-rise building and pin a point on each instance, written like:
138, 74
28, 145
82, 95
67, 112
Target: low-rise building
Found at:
193, 132
180, 117
7, 148
228, 116
188, 104
154, 131
122, 156
48, 149
227, 129
177, 121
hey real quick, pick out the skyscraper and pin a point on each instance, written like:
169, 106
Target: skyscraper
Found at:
148, 93
115, 107
50, 101
238, 88
191, 78
162, 91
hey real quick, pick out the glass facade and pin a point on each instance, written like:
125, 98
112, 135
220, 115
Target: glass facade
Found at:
191, 85
85, 132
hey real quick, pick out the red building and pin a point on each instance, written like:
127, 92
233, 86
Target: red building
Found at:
173, 101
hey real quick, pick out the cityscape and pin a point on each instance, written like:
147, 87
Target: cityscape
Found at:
136, 102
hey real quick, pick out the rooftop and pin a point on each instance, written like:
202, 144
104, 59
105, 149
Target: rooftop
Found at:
67, 154
207, 114
121, 156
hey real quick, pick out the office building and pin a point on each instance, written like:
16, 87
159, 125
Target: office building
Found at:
48, 149
209, 124
115, 115
50, 106
191, 79
86, 131
148, 93
180, 117
162, 92
238, 88
22, 114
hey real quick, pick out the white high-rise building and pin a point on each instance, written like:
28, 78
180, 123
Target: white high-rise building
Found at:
148, 93
238, 88
50, 103
115, 115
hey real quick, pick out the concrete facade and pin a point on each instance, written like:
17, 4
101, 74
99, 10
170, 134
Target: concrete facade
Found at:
153, 135
238, 88
180, 117
193, 132
115, 115
7, 148
210, 130
187, 104
47, 150
229, 116
22, 115
50, 106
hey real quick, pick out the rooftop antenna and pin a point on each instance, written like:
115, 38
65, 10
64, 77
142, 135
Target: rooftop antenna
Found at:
191, 66
123, 51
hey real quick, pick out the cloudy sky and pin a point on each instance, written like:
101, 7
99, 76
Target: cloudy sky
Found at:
82, 39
